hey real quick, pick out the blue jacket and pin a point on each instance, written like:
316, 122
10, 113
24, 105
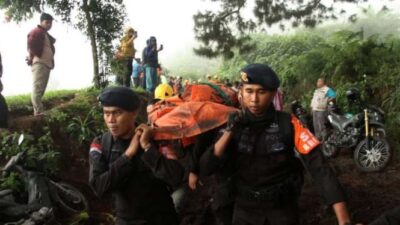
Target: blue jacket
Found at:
136, 69
150, 56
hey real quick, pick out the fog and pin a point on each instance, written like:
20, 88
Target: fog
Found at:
170, 21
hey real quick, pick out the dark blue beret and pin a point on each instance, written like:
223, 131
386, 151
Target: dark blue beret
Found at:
122, 97
260, 74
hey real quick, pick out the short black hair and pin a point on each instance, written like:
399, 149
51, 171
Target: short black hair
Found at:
45, 16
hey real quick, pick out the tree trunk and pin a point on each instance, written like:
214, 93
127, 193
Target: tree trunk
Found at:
93, 43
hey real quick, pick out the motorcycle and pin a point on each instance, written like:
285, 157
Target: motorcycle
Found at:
42, 194
364, 132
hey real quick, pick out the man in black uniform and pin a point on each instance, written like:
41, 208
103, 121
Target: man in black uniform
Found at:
256, 151
124, 162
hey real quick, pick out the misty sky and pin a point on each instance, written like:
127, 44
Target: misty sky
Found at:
73, 54
170, 21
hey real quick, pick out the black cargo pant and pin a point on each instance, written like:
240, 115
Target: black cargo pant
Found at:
223, 215
3, 112
127, 76
223, 203
265, 214
159, 219
391, 217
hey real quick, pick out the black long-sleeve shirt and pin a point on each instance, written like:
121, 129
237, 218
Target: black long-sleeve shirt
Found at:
262, 168
140, 186
391, 217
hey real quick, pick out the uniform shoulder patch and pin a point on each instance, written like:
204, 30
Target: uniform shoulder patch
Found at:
304, 140
95, 146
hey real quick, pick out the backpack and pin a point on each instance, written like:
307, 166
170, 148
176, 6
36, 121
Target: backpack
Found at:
106, 144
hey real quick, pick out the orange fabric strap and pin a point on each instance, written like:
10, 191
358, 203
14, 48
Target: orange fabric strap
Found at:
304, 140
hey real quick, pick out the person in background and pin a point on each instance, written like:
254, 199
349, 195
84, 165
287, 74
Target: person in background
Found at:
3, 103
126, 163
150, 57
178, 88
186, 83
136, 72
319, 106
127, 51
209, 78
236, 86
171, 81
278, 100
1, 67
227, 83
160, 72
41, 59
215, 79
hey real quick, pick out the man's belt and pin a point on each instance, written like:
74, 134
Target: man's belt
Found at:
287, 188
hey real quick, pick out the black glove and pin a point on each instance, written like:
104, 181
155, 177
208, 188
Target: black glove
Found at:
234, 120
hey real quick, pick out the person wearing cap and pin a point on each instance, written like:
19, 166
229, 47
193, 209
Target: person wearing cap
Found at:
127, 53
124, 162
256, 152
41, 58
150, 60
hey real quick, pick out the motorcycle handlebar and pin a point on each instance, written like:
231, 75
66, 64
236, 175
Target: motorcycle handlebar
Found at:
13, 161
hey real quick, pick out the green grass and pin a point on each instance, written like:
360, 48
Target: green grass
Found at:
19, 100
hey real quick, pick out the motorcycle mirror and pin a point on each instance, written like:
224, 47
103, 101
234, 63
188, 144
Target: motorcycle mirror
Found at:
21, 139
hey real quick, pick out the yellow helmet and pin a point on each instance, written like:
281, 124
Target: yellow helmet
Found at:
163, 91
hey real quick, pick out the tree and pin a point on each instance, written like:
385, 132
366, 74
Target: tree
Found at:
222, 31
101, 21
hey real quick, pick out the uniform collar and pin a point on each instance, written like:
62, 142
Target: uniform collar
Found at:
268, 116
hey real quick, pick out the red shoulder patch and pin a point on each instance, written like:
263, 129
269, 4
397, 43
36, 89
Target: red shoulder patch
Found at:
95, 147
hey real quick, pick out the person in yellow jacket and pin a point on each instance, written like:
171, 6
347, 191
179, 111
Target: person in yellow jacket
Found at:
126, 53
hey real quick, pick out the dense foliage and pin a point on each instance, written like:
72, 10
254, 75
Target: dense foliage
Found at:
343, 58
69, 127
227, 26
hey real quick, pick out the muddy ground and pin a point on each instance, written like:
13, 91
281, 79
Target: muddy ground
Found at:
370, 194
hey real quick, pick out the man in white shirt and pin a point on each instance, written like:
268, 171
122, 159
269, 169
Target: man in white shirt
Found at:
319, 105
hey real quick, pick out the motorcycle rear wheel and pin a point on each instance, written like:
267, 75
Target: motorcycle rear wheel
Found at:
68, 198
374, 159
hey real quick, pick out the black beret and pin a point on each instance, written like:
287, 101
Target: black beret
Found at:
260, 74
122, 97
45, 16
